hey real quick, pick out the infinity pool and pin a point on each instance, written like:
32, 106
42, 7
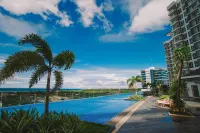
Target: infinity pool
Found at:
97, 109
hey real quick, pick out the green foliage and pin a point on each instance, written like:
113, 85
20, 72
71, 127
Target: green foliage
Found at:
181, 54
132, 81
96, 128
40, 44
19, 62
65, 58
38, 74
29, 121
164, 97
35, 60
173, 95
136, 97
18, 121
58, 80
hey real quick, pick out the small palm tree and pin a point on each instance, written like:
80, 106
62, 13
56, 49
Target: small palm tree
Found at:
148, 85
144, 85
41, 61
132, 81
159, 85
181, 54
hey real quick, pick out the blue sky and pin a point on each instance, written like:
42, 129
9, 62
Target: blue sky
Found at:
112, 39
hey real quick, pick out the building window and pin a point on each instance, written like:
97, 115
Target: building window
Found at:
195, 90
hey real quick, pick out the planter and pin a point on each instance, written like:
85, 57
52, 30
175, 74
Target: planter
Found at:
182, 115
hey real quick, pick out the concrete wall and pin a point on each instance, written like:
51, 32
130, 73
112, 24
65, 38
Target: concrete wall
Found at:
189, 86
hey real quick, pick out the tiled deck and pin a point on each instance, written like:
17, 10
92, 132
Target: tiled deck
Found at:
150, 119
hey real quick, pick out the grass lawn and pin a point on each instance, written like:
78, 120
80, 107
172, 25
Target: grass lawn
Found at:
96, 128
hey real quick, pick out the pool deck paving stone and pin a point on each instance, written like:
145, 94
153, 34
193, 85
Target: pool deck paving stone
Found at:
149, 118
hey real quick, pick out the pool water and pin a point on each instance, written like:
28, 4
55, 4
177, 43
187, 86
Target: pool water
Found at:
97, 109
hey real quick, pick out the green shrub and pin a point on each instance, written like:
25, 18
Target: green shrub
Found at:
164, 97
173, 96
21, 121
146, 93
136, 97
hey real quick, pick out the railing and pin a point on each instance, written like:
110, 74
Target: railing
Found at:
17, 99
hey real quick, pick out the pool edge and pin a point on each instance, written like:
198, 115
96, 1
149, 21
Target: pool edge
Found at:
118, 120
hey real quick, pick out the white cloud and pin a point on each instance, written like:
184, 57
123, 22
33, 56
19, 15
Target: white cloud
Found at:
89, 10
119, 37
132, 6
16, 46
8, 45
2, 59
98, 77
40, 7
152, 17
107, 5
19, 28
145, 16
93, 77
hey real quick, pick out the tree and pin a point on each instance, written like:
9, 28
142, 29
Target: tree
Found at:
41, 61
132, 81
148, 85
159, 85
144, 85
181, 54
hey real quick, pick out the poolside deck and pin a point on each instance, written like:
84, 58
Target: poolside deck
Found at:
150, 119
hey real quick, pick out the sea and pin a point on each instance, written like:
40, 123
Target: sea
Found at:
30, 89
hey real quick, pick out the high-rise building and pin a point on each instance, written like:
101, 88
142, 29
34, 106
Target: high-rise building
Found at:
152, 75
185, 30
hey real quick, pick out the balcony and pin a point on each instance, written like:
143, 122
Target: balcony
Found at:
177, 35
176, 21
190, 3
193, 33
196, 47
194, 16
196, 55
176, 28
172, 11
173, 17
196, 7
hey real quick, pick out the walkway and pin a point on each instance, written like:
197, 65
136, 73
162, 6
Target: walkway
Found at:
149, 119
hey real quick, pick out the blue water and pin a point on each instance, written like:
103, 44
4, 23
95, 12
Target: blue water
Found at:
97, 109
28, 90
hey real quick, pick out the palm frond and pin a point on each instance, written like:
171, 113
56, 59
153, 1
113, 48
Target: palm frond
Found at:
138, 78
37, 75
58, 80
19, 62
131, 85
129, 80
41, 45
64, 59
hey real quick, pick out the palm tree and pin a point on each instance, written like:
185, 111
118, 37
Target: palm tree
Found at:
159, 85
132, 81
181, 54
148, 85
144, 85
41, 61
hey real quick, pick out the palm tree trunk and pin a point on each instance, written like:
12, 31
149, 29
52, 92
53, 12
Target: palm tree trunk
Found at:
179, 84
47, 93
136, 91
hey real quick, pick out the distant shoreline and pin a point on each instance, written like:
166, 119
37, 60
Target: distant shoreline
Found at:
13, 90
28, 90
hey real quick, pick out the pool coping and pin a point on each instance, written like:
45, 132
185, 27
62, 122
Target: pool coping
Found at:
122, 117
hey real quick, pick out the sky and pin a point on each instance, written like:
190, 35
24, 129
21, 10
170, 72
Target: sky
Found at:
112, 39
